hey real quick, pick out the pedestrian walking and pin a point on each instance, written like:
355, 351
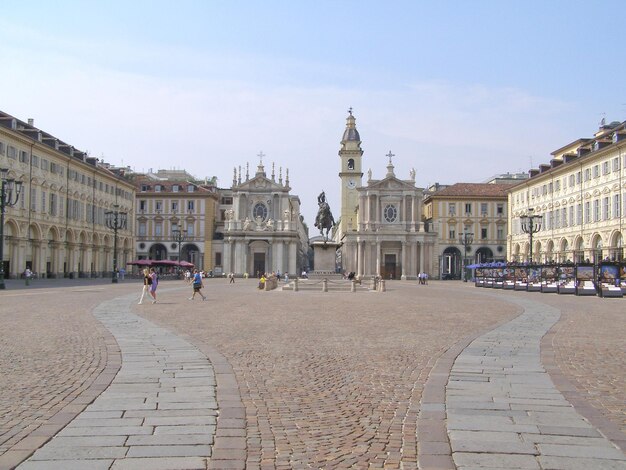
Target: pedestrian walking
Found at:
232, 278
197, 285
147, 282
155, 282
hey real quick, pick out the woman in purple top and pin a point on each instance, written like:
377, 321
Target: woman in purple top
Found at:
155, 282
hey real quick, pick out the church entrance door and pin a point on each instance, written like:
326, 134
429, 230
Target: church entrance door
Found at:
388, 271
259, 264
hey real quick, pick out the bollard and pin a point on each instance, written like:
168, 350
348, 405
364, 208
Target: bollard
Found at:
382, 286
353, 286
324, 285
295, 285
373, 283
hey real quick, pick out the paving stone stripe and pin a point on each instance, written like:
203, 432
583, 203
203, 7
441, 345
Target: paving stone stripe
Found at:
160, 410
503, 409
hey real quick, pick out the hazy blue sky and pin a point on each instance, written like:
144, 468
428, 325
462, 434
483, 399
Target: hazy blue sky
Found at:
459, 90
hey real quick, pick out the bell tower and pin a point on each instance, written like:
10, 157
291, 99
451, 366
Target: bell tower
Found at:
350, 156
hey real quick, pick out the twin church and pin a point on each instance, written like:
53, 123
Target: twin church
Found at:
380, 231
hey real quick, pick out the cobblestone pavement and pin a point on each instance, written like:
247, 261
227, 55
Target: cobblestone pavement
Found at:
330, 380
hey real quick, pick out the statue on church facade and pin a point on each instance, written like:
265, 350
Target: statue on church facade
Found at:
324, 218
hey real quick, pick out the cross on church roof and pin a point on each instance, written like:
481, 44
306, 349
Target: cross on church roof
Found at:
390, 155
261, 155
350, 111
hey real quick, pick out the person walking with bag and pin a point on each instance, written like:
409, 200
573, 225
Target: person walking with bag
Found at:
197, 285
147, 282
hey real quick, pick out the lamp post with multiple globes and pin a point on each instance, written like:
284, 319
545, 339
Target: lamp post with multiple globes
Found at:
10, 190
531, 224
115, 220
466, 239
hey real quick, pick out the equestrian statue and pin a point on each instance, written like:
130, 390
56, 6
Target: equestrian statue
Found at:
324, 218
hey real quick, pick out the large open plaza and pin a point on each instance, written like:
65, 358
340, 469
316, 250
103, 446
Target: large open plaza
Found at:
437, 376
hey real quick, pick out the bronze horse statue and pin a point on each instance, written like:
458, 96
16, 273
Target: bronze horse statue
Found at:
324, 218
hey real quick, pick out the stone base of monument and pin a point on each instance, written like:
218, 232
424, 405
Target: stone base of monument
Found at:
325, 256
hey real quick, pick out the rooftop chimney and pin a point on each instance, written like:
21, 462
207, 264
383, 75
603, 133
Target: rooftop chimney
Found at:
31, 122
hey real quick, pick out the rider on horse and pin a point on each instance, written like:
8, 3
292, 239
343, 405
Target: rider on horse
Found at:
324, 219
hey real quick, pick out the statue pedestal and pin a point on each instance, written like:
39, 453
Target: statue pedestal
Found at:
324, 257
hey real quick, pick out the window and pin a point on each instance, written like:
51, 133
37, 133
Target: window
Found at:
616, 164
351, 164
483, 233
616, 208
557, 185
483, 208
596, 171
158, 229
12, 152
144, 188
190, 230
259, 210
142, 229
227, 200
53, 204
557, 219
571, 215
500, 233
452, 233
190, 206
174, 206
451, 209
3, 148
218, 259
157, 188
500, 209
587, 174
33, 199
158, 206
587, 212
564, 216
468, 208
606, 209
579, 214
390, 213
578, 177
191, 188
605, 168
596, 210
143, 205
43, 201
44, 164
175, 188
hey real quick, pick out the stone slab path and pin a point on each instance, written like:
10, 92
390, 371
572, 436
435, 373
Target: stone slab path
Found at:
160, 411
503, 410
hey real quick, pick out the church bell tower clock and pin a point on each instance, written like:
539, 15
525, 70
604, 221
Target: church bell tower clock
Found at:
351, 173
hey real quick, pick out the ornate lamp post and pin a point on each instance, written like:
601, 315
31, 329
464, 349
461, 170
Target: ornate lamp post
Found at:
531, 224
179, 238
9, 195
466, 239
115, 220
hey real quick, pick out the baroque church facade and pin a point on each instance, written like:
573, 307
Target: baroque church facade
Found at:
260, 229
381, 230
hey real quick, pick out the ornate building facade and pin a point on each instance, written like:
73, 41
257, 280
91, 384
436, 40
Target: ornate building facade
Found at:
175, 217
58, 226
580, 195
259, 228
462, 213
380, 229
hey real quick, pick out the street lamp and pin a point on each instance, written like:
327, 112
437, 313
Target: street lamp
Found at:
9, 194
531, 224
179, 238
466, 239
115, 220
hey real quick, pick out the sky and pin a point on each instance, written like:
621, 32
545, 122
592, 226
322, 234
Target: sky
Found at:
459, 90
